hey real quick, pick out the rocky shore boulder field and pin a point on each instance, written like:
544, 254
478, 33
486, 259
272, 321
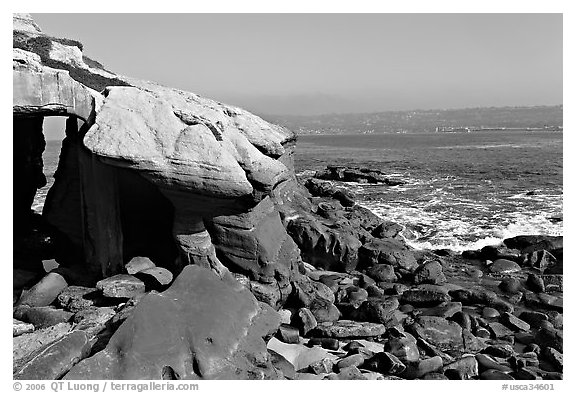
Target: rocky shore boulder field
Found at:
178, 243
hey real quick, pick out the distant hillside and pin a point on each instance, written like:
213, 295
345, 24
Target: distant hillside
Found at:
549, 117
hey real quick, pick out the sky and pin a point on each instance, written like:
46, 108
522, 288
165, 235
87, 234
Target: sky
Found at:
306, 64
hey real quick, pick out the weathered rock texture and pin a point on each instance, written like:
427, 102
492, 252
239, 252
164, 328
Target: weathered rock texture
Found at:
146, 167
202, 327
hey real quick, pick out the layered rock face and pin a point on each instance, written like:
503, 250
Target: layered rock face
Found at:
202, 158
195, 151
257, 245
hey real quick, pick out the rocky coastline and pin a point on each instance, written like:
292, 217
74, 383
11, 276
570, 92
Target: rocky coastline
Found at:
177, 243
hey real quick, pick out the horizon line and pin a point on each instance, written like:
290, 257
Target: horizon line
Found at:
409, 110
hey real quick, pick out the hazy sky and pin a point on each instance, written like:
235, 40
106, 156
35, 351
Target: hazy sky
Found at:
323, 63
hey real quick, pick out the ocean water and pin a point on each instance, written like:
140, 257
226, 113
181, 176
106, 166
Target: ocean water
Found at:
50, 158
463, 190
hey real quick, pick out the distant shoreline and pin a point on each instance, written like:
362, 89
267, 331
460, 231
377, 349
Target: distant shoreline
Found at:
427, 132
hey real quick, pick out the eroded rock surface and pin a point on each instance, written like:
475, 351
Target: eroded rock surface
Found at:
201, 327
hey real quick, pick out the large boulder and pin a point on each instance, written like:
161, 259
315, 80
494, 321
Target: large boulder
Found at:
201, 327
377, 310
256, 244
323, 246
444, 334
531, 243
188, 147
387, 251
429, 272
321, 188
362, 218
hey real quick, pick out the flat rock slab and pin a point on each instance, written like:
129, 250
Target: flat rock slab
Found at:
160, 275
439, 332
49, 265
25, 344
299, 355
121, 286
349, 329
514, 323
54, 360
201, 327
43, 317
499, 330
137, 264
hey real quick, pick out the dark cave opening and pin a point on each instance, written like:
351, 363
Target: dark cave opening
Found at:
73, 210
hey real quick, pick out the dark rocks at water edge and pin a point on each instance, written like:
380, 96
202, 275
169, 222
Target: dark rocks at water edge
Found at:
181, 245
321, 188
355, 174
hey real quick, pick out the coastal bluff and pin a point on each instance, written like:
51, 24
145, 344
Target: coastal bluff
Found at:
178, 243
